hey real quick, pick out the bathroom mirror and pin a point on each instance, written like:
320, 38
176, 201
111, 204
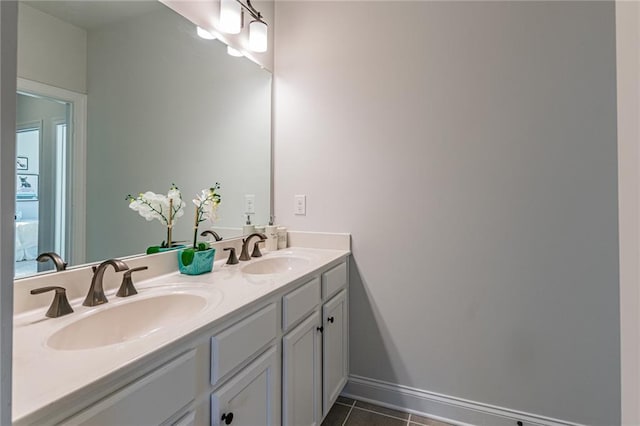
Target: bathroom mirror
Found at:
163, 106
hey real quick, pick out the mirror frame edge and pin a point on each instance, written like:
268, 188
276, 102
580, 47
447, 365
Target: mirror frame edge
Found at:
8, 83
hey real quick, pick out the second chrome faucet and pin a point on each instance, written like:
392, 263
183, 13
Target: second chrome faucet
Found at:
244, 255
96, 291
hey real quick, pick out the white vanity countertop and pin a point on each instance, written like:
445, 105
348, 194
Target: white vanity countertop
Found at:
43, 376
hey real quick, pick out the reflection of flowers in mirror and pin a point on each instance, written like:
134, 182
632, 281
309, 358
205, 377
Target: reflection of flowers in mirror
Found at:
164, 208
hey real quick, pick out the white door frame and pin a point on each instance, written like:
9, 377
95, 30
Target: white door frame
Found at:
8, 65
628, 90
78, 127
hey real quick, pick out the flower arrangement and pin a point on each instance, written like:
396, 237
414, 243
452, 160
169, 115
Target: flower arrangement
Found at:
164, 208
206, 206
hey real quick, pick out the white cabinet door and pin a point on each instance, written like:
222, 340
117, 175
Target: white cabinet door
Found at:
251, 397
334, 349
189, 419
301, 364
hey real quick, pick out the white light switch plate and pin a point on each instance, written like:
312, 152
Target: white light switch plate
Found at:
300, 205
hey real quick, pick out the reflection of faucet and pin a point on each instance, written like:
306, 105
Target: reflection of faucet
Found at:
96, 292
61, 265
214, 234
245, 245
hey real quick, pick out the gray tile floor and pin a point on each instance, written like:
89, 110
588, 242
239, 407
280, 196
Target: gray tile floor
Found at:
349, 412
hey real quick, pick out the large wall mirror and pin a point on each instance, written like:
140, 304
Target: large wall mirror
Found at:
118, 98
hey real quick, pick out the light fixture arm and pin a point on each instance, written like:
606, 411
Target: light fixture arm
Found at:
252, 10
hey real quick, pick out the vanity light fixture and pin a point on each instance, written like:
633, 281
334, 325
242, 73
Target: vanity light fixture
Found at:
233, 52
202, 33
258, 36
230, 16
231, 21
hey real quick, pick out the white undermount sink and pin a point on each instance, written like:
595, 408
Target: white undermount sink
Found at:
128, 320
275, 265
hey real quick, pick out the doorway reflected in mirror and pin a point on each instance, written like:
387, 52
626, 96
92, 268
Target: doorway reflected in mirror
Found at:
42, 176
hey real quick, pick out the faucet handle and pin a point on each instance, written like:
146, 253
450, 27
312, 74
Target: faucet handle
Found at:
126, 288
60, 305
256, 249
233, 259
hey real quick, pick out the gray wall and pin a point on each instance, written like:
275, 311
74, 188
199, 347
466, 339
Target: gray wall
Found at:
470, 149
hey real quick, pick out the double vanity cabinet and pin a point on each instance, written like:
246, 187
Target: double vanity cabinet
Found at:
278, 358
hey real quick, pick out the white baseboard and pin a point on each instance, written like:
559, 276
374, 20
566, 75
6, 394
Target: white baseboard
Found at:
441, 407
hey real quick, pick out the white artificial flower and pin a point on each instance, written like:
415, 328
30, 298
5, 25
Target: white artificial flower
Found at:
178, 205
148, 205
209, 210
200, 199
156, 206
206, 205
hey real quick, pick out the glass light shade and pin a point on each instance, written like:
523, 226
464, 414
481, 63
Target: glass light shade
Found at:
230, 16
233, 52
202, 33
258, 36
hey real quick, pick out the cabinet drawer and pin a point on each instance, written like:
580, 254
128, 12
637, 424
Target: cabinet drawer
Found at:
149, 401
333, 280
237, 343
299, 302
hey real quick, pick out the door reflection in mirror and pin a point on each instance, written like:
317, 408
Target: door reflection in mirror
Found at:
41, 180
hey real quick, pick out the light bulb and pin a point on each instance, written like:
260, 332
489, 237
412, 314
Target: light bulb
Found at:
258, 36
230, 16
233, 52
202, 33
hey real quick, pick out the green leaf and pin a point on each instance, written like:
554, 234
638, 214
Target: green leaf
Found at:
153, 249
203, 246
187, 256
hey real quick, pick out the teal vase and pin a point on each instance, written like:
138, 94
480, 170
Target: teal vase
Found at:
201, 263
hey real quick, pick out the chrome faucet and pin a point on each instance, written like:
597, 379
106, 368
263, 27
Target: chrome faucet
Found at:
61, 265
244, 255
96, 292
214, 234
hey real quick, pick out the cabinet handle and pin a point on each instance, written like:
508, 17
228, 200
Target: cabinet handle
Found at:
227, 418
330, 319
320, 329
